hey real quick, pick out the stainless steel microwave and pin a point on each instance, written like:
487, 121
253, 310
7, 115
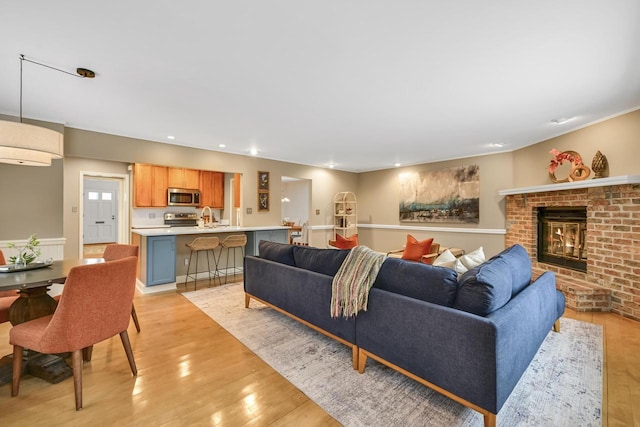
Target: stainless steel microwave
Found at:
183, 197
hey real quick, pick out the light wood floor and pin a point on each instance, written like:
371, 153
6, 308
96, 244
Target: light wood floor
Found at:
93, 250
192, 372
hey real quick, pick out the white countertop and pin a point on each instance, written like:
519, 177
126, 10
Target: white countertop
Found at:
180, 231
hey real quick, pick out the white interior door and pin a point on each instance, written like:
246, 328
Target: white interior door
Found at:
100, 221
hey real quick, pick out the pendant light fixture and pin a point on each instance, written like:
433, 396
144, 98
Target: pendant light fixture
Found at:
24, 144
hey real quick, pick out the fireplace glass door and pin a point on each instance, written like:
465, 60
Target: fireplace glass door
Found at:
566, 239
562, 238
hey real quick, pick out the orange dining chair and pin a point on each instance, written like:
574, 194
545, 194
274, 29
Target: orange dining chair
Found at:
117, 251
95, 305
6, 297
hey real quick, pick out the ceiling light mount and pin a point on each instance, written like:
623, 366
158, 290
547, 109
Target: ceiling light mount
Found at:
561, 120
81, 73
85, 72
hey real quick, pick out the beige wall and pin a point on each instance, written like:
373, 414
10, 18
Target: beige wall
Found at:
378, 205
31, 201
617, 138
378, 191
40, 200
117, 152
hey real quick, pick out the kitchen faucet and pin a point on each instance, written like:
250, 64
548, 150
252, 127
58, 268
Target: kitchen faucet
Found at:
211, 218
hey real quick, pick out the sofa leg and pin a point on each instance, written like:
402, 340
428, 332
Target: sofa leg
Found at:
354, 356
556, 326
489, 420
247, 298
362, 360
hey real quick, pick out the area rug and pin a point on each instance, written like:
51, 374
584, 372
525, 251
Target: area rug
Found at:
561, 387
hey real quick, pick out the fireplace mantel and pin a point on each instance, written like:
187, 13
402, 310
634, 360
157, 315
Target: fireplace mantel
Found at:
599, 182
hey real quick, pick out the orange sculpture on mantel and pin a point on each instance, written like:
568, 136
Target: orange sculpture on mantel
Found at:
578, 172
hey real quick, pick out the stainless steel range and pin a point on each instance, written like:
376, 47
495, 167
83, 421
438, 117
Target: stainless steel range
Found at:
181, 219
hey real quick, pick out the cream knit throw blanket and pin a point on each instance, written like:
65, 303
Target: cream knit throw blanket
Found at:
351, 284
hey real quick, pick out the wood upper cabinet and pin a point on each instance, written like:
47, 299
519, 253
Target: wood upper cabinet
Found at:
149, 185
236, 190
218, 190
183, 178
212, 189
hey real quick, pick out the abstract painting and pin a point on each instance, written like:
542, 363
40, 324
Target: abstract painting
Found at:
443, 196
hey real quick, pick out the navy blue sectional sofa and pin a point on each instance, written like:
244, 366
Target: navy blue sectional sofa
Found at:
469, 337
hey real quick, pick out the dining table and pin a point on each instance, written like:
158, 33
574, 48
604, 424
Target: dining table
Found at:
33, 285
34, 301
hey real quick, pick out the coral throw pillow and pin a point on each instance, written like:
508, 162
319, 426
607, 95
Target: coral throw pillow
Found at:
414, 250
346, 242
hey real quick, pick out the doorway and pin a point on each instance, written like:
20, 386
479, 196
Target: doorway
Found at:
295, 204
100, 201
103, 212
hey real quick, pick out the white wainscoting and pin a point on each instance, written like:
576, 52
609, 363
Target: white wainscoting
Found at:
436, 229
50, 248
420, 228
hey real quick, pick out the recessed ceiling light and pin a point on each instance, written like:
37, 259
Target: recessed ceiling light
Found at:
561, 120
497, 145
331, 165
253, 151
222, 145
396, 165
171, 137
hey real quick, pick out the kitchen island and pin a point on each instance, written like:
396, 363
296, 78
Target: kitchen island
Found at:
163, 257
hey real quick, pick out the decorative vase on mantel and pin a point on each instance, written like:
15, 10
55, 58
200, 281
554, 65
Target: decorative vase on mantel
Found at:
599, 164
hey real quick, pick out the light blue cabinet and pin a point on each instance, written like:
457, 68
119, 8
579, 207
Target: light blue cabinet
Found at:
254, 237
159, 251
161, 260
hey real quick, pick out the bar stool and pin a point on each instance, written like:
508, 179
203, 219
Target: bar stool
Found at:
235, 242
206, 244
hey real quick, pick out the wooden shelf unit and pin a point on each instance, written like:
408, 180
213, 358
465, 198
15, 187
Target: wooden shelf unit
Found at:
345, 214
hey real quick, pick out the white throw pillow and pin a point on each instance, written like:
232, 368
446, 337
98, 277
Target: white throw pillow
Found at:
445, 259
460, 267
473, 259
449, 260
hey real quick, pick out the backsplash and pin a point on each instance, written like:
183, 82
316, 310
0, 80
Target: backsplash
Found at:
149, 217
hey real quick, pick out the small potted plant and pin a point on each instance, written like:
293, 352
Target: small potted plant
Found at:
28, 253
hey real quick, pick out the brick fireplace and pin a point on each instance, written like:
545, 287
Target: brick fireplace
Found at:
612, 280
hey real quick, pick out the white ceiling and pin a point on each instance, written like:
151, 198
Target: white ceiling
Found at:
362, 84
